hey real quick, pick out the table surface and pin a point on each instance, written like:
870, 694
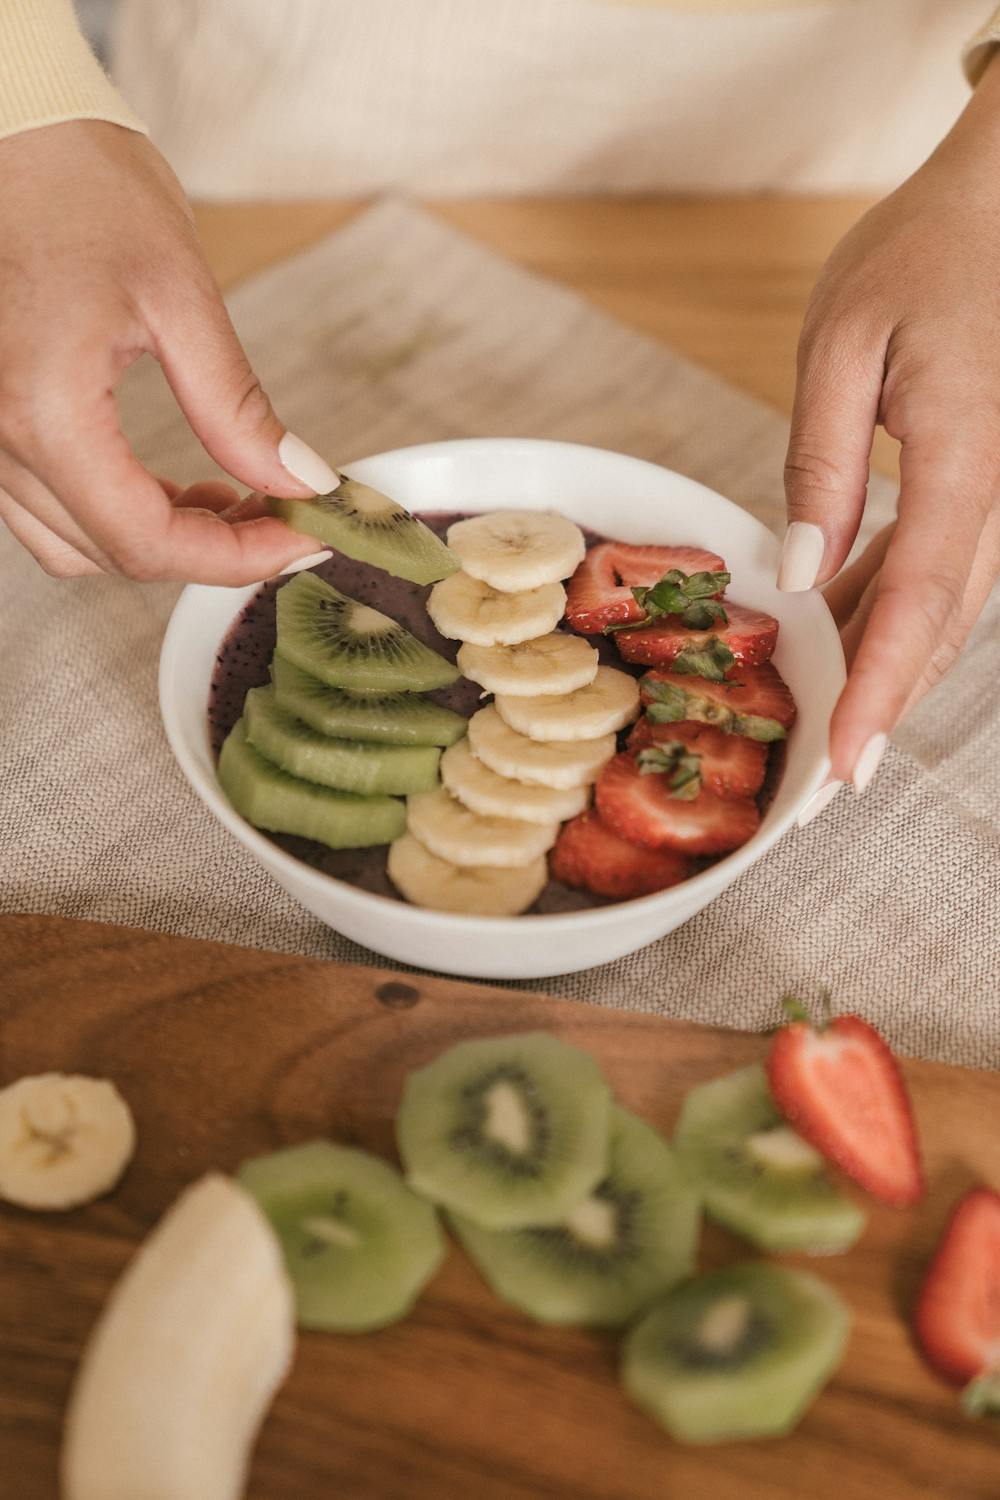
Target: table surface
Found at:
724, 281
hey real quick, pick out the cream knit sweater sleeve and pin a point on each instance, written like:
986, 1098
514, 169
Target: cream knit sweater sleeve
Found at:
48, 73
980, 49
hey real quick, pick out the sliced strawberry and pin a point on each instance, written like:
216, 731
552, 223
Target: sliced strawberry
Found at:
600, 592
642, 808
589, 854
731, 766
754, 701
841, 1088
957, 1316
750, 636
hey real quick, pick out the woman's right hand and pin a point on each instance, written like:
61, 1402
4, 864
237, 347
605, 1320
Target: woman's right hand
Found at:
99, 264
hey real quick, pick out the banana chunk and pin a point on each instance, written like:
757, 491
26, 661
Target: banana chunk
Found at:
608, 703
466, 609
513, 550
452, 832
479, 890
185, 1358
64, 1139
554, 663
555, 763
483, 791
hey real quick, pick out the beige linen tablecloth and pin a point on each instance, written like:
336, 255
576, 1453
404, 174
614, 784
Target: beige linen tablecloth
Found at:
397, 330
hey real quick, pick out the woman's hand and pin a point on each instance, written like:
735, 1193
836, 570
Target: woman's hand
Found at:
904, 329
99, 264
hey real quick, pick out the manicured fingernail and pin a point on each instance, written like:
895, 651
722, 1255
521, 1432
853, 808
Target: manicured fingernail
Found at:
801, 556
305, 465
818, 801
867, 762
301, 563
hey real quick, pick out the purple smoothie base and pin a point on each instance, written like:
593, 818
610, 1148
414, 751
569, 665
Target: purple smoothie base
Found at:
244, 662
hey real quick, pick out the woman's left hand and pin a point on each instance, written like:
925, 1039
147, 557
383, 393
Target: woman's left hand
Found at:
904, 329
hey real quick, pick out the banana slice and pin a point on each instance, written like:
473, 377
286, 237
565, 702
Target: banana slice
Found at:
480, 890
452, 832
555, 663
64, 1139
513, 550
555, 763
181, 1367
483, 791
608, 703
466, 609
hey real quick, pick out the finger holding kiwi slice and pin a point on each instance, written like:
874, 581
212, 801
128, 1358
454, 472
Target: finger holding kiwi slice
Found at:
364, 524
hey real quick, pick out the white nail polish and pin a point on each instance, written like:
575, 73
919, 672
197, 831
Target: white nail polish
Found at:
305, 465
301, 563
801, 556
818, 801
867, 762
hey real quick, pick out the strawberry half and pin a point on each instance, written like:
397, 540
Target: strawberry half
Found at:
755, 701
750, 637
840, 1087
643, 809
600, 592
957, 1318
588, 854
731, 766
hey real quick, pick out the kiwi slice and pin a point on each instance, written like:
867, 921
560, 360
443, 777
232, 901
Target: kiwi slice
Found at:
368, 526
359, 1246
350, 645
755, 1175
271, 799
348, 765
613, 1253
739, 1353
508, 1131
385, 719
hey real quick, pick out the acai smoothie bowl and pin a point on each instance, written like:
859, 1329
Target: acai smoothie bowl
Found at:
579, 716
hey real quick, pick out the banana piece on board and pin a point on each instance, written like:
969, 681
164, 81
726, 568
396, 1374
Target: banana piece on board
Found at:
513, 550
64, 1139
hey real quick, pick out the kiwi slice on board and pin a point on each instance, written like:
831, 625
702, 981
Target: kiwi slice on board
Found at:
350, 645
385, 719
508, 1131
347, 765
359, 1246
738, 1353
625, 1244
366, 525
269, 798
755, 1175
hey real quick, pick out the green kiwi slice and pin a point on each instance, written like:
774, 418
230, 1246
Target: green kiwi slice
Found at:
739, 1353
366, 525
385, 719
359, 1246
755, 1175
347, 765
626, 1243
270, 798
508, 1131
350, 645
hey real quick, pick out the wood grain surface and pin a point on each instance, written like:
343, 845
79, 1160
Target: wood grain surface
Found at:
224, 1052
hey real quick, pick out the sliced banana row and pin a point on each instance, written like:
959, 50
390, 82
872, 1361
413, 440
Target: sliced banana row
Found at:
480, 890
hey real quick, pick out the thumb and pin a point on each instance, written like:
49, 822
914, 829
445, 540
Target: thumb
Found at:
826, 471
223, 400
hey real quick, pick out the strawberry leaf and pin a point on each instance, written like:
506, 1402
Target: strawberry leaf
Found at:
681, 766
670, 703
981, 1398
712, 661
692, 596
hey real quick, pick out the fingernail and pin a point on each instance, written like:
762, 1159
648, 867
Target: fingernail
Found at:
301, 563
867, 762
818, 801
801, 555
305, 465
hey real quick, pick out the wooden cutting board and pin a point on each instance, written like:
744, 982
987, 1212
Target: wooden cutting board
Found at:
224, 1052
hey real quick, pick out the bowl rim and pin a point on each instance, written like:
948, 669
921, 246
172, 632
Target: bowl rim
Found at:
707, 882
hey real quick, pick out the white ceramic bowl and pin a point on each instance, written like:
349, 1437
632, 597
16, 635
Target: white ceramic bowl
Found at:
624, 498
